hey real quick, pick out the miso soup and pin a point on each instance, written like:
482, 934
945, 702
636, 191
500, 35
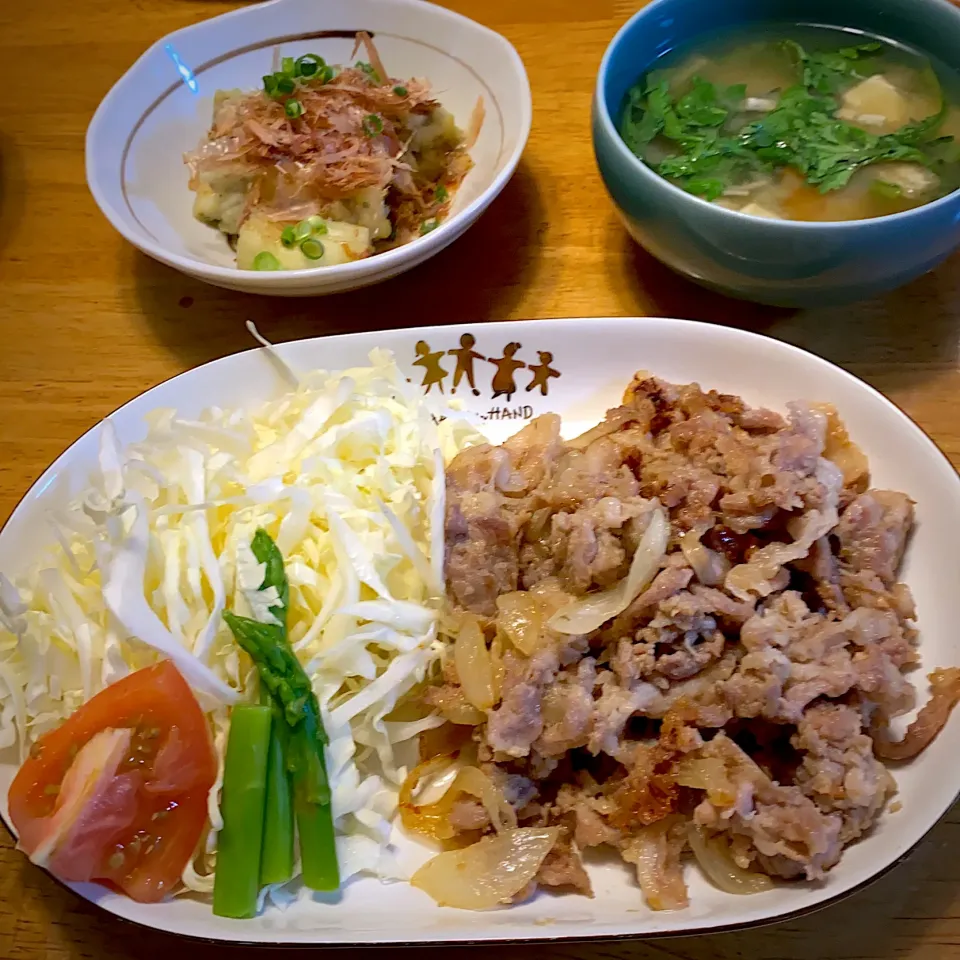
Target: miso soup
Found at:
800, 123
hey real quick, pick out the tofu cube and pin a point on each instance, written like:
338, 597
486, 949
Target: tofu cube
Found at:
875, 103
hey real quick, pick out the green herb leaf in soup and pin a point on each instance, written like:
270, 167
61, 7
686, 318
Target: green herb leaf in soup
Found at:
799, 123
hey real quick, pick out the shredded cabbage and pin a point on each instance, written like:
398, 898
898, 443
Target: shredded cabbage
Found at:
345, 472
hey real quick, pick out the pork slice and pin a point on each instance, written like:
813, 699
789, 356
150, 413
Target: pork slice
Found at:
589, 548
864, 588
563, 868
613, 708
673, 578
691, 655
839, 771
873, 532
481, 551
776, 826
467, 815
824, 567
881, 683
532, 454
517, 722
589, 812
585, 476
793, 656
567, 710
487, 508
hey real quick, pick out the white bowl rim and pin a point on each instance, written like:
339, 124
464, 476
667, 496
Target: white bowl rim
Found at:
357, 270
602, 111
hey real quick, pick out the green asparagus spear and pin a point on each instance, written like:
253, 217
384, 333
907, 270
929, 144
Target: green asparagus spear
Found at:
237, 881
276, 860
289, 687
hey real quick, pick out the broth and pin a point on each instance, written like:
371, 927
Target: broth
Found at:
800, 123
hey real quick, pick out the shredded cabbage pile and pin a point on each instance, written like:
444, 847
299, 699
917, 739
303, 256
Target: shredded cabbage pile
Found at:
346, 474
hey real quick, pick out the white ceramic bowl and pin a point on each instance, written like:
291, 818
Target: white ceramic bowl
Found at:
595, 358
162, 107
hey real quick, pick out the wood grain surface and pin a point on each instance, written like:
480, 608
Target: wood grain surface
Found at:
87, 323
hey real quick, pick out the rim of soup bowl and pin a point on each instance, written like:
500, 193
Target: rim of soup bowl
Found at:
640, 169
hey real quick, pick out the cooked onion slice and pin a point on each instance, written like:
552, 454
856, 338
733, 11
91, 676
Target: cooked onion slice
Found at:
489, 872
596, 609
473, 663
710, 774
428, 794
709, 566
714, 857
655, 852
518, 616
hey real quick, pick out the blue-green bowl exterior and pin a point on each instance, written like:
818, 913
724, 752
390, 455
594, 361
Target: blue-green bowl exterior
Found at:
780, 262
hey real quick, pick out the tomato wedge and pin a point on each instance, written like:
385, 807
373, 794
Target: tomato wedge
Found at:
118, 792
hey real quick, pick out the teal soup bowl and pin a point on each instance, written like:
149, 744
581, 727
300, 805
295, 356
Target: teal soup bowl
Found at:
781, 262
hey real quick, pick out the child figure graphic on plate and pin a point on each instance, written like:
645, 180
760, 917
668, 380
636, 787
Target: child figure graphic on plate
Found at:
542, 372
504, 380
466, 356
433, 373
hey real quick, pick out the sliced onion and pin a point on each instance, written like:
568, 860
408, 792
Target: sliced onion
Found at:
474, 781
659, 871
499, 669
710, 774
473, 663
593, 611
432, 787
709, 566
489, 872
715, 860
431, 820
518, 616
456, 709
428, 794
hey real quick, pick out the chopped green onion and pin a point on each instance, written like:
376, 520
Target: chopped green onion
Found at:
441, 193
293, 108
312, 226
326, 74
265, 260
236, 883
312, 249
270, 84
289, 237
886, 190
368, 69
372, 125
428, 226
287, 66
285, 84
400, 91
309, 64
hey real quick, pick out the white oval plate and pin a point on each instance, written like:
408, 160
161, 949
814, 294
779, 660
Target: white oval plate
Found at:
595, 359
153, 115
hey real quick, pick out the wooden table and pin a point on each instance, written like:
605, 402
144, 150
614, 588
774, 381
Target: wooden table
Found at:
87, 322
